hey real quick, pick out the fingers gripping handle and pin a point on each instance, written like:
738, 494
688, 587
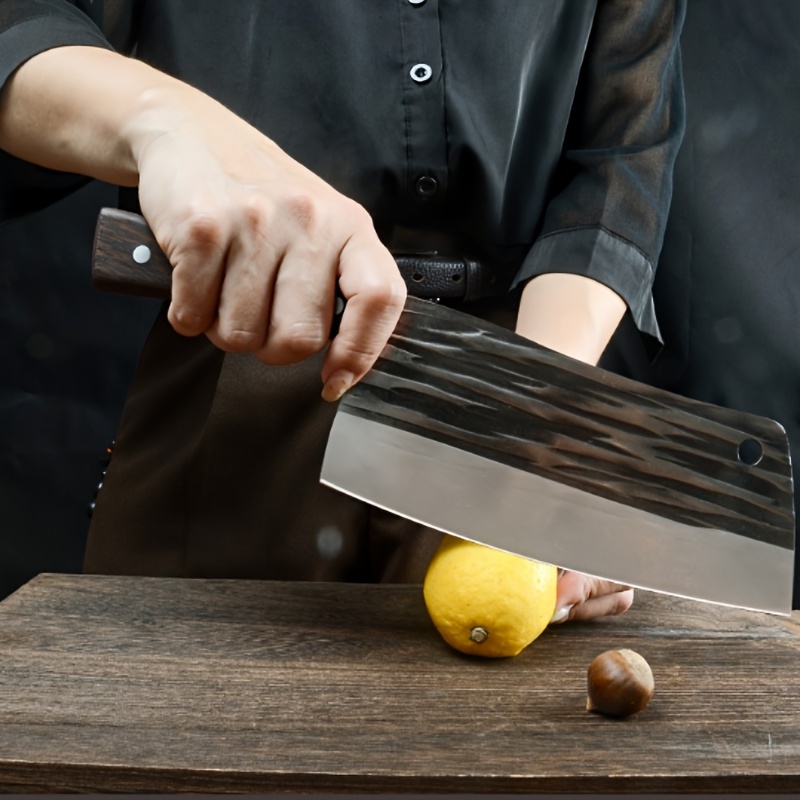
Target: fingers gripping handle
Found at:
127, 259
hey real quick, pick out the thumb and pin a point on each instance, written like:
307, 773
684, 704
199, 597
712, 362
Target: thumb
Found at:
375, 295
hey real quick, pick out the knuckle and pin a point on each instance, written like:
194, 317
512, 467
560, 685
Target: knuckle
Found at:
255, 214
358, 359
201, 230
354, 219
356, 214
295, 342
389, 296
187, 320
303, 209
357, 362
238, 340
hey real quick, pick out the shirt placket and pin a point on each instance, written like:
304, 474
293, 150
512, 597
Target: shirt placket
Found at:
425, 122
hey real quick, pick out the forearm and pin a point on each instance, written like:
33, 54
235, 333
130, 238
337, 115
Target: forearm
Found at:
85, 110
257, 241
571, 314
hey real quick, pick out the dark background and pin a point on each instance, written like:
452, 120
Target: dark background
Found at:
67, 353
727, 290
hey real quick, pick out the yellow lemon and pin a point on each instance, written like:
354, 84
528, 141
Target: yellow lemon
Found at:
485, 602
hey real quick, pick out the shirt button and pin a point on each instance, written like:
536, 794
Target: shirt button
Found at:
421, 73
416, 2
426, 186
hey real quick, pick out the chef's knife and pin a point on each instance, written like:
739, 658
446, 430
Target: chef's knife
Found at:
473, 430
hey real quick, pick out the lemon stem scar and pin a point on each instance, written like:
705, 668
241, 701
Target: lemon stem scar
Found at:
479, 635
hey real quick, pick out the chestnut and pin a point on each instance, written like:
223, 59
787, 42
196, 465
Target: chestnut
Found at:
620, 683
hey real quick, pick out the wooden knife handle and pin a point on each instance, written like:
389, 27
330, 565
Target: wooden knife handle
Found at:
126, 257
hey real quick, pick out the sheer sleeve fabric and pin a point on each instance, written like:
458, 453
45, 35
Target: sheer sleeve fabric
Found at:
607, 216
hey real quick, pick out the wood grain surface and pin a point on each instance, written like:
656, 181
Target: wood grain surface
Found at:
132, 685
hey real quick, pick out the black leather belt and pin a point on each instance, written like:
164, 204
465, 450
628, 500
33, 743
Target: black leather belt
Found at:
433, 277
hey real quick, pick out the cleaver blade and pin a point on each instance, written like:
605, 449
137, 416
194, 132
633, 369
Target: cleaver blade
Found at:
473, 430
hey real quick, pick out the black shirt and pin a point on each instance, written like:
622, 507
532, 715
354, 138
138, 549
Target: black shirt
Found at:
538, 135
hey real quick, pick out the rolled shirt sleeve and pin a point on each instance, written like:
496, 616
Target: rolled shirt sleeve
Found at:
607, 216
27, 28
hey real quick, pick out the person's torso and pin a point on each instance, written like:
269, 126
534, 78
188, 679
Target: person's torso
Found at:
442, 116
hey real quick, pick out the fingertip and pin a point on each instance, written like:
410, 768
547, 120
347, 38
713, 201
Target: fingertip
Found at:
336, 385
624, 601
570, 589
560, 615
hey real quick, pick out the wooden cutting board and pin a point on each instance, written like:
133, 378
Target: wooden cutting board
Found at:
131, 684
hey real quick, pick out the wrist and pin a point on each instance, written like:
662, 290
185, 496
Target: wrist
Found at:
571, 314
156, 108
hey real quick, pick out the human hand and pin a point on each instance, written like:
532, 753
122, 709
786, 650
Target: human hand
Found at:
580, 597
258, 243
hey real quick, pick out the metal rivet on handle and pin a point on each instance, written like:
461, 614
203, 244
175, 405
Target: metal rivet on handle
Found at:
141, 254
